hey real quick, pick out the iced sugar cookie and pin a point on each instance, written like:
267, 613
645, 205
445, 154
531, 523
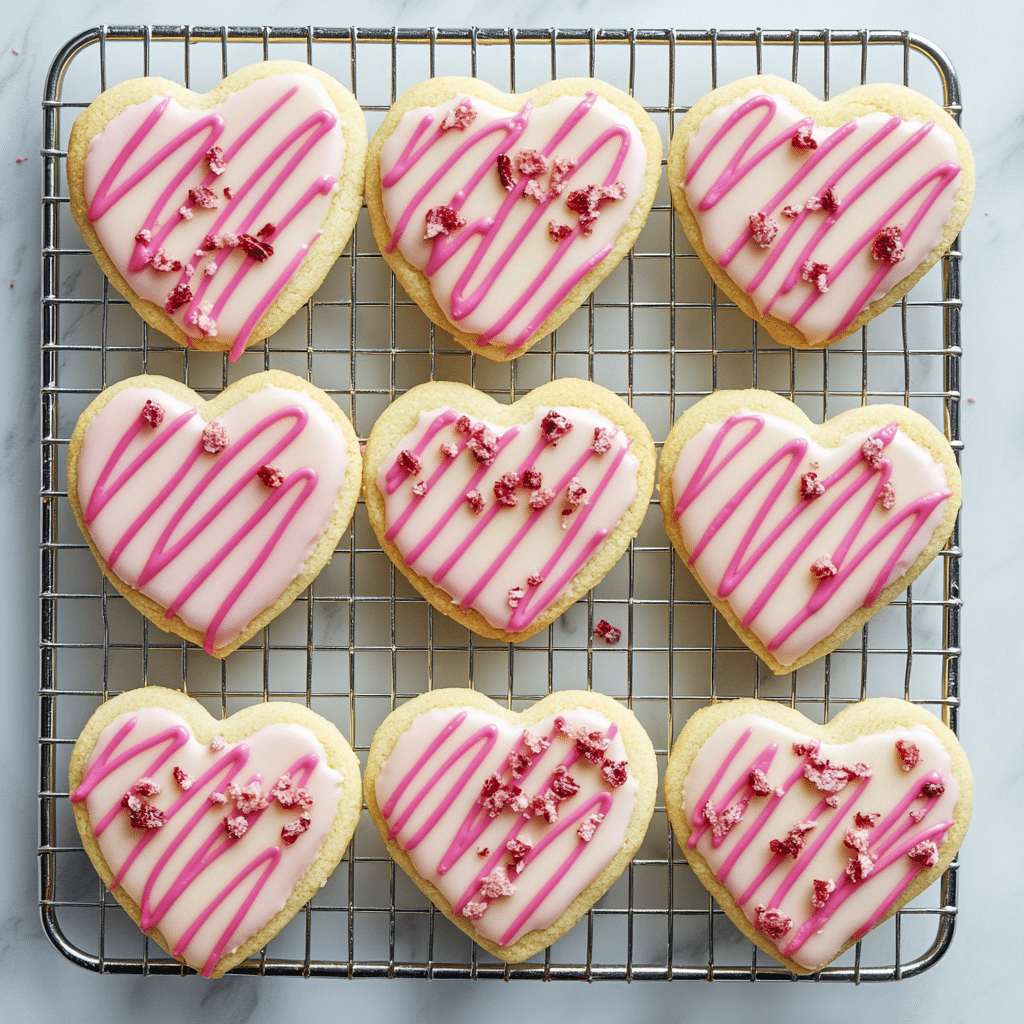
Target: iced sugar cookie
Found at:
809, 835
815, 217
212, 517
513, 824
799, 533
500, 214
218, 215
212, 834
503, 516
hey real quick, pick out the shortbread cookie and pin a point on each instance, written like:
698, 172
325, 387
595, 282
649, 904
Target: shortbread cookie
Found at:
513, 824
800, 533
809, 835
218, 215
499, 213
503, 516
814, 217
212, 517
212, 834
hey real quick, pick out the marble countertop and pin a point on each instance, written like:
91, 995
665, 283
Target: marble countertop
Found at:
976, 979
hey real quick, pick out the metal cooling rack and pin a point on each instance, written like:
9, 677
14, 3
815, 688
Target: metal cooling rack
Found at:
360, 641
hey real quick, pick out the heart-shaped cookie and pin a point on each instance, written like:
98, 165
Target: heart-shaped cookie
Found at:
800, 533
212, 834
503, 516
218, 215
513, 824
810, 835
500, 214
212, 517
814, 217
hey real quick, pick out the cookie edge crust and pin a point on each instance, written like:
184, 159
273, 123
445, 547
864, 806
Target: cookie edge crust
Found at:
234, 729
872, 715
209, 411
715, 408
642, 765
862, 99
401, 417
438, 90
335, 230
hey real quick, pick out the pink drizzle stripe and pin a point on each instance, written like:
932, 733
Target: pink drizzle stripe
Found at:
856, 546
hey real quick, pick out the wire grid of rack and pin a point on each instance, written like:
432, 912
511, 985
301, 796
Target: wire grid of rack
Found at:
361, 640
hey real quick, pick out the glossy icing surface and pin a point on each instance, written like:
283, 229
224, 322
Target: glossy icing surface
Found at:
205, 891
201, 533
478, 557
743, 861
502, 273
282, 143
885, 172
429, 793
753, 537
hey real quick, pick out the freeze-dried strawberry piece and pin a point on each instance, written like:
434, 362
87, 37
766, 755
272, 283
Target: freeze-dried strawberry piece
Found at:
721, 822
248, 799
497, 884
162, 262
576, 494
605, 631
236, 827
858, 839
823, 568
474, 910
409, 461
811, 487
918, 815
587, 202
152, 413
518, 848
803, 138
215, 438
531, 162
270, 477
505, 172
816, 274
887, 496
801, 749
791, 211
541, 498
182, 778
491, 786
294, 829
758, 782
228, 194
483, 851
909, 754
858, 868
603, 437
588, 827
142, 814
887, 246
484, 445
460, 117
178, 297
254, 247
562, 167
794, 841
545, 805
763, 229
827, 201
215, 160
615, 773
185, 212
866, 819
563, 785
505, 489
515, 595
463, 425
554, 426
536, 743
872, 451
449, 450
773, 922
288, 795
532, 478
443, 220
518, 763
592, 745
534, 191
502, 797
823, 888
217, 798
557, 231
829, 776
534, 579
475, 500
926, 852
147, 787
218, 743
144, 236
930, 789
832, 801
203, 197
420, 489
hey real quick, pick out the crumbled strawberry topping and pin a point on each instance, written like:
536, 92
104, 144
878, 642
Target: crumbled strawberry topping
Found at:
443, 220
248, 799
182, 778
144, 237
449, 450
147, 787
887, 246
497, 884
867, 819
203, 197
562, 167
475, 500
759, 785
409, 461
501, 798
534, 191
518, 848
823, 568
184, 212
531, 162
771, 921
721, 822
463, 425
541, 498
831, 776
215, 160
267, 230
588, 827
918, 815
218, 743
162, 262
483, 851
288, 795
816, 274
803, 138
460, 117
805, 749
791, 211
858, 839
505, 172
258, 249
576, 494
518, 764
763, 229
215, 438
545, 805
909, 754
152, 413
218, 798
491, 786
420, 489
926, 852
483, 443
236, 827
605, 631
603, 437
592, 745
827, 201
887, 497
536, 743
474, 910
614, 773
270, 477
930, 789
515, 595
587, 202
872, 451
294, 829
822, 890
794, 841
178, 297
811, 487
532, 478
505, 489
142, 814
563, 785
554, 427
228, 194
557, 231
859, 867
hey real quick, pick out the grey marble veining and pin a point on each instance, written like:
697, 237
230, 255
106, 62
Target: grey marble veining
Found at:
978, 978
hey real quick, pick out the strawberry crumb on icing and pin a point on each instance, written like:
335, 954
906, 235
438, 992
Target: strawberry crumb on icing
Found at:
182, 778
236, 827
615, 773
214, 441
554, 426
763, 229
771, 921
409, 461
147, 787
162, 262
872, 451
460, 117
203, 197
859, 867
443, 220
722, 822
794, 841
142, 815
803, 138
449, 450
823, 568
532, 479
505, 489
248, 799
294, 829
152, 413
541, 498
475, 500
588, 827
497, 884
420, 488
531, 162
215, 160
270, 476
563, 785
288, 795
887, 497
536, 743
603, 437
811, 487
178, 297
758, 782
474, 910
908, 753
932, 788
816, 274
887, 246
926, 852
587, 202
827, 201
504, 164
866, 819
823, 888
557, 232
218, 743
515, 595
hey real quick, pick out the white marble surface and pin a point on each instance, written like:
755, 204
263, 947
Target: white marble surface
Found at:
979, 978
